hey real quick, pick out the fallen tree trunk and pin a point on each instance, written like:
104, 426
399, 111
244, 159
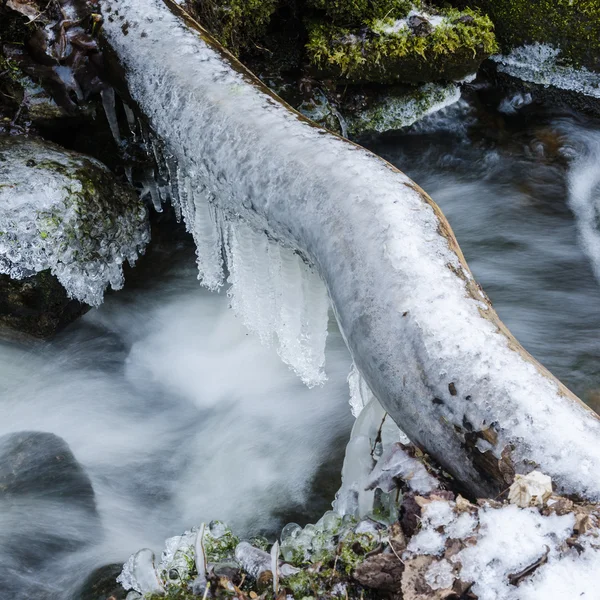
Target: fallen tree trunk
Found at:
421, 331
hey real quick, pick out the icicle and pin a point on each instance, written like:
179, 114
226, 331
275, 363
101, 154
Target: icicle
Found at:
360, 392
275, 567
151, 188
207, 238
108, 102
131, 121
280, 298
129, 173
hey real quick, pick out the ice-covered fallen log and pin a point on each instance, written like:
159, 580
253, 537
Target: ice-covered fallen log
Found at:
421, 332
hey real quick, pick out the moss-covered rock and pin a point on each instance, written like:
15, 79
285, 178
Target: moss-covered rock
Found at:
65, 212
237, 24
356, 12
420, 48
572, 25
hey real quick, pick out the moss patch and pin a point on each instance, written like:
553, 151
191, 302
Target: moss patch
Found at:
237, 24
391, 51
573, 25
356, 12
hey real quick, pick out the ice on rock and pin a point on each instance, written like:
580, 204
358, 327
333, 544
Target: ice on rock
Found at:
440, 575
394, 464
140, 574
62, 211
540, 63
426, 542
178, 557
253, 560
410, 322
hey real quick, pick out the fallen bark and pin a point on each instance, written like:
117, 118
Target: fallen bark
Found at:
421, 331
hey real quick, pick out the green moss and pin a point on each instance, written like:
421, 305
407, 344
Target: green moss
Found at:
356, 12
352, 549
222, 548
450, 51
237, 24
573, 25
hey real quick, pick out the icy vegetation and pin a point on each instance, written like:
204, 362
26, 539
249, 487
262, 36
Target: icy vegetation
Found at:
420, 331
540, 63
419, 539
62, 211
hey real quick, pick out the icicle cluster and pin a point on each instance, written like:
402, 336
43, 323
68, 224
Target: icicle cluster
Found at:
272, 289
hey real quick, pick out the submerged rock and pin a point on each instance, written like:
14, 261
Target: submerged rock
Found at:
40, 465
47, 511
102, 585
65, 213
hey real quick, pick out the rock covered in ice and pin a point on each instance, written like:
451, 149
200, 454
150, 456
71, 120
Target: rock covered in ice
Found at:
530, 490
396, 464
139, 574
65, 212
421, 332
397, 111
540, 63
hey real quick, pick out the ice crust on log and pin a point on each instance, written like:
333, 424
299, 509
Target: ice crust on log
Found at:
421, 332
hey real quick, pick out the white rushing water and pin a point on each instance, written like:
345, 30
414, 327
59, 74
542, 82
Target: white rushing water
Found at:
410, 327
584, 189
178, 416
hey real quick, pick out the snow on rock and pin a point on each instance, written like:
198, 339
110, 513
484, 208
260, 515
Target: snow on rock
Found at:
421, 333
63, 211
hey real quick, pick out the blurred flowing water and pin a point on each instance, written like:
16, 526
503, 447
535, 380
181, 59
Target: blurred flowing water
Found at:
179, 416
521, 190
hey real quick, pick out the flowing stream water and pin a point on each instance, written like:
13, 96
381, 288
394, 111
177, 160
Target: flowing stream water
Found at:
179, 415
